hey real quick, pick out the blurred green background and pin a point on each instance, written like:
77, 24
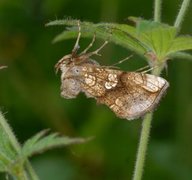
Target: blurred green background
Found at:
30, 94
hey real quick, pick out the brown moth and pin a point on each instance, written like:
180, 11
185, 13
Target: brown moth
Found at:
129, 95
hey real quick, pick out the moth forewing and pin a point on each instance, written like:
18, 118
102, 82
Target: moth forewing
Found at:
134, 94
143, 93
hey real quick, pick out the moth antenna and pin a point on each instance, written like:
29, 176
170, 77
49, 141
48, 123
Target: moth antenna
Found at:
154, 67
76, 46
96, 52
90, 45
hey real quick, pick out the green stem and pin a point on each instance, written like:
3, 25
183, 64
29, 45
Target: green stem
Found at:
5, 126
21, 173
144, 137
141, 154
181, 13
31, 171
146, 124
157, 10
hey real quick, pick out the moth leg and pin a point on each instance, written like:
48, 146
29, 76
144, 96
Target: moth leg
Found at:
143, 68
76, 46
90, 45
150, 69
96, 52
123, 60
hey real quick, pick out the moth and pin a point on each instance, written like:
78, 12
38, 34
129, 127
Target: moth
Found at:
129, 95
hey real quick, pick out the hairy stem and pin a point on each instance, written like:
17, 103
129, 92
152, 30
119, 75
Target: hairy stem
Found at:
20, 173
146, 124
31, 171
181, 14
157, 10
144, 137
141, 154
6, 128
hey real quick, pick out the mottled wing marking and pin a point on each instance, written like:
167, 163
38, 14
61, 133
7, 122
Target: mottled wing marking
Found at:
103, 80
147, 81
135, 95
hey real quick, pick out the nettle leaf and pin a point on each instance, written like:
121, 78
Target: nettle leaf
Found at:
42, 142
181, 55
4, 162
181, 43
117, 33
158, 40
146, 37
7, 148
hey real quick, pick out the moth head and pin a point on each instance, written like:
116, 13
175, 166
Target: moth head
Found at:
70, 88
71, 84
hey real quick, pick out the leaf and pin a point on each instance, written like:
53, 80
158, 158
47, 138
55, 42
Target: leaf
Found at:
159, 40
7, 138
181, 43
157, 37
9, 152
181, 55
40, 143
146, 37
4, 162
106, 31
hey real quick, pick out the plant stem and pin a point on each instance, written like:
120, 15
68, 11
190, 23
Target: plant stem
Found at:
144, 137
5, 126
31, 171
181, 13
22, 174
146, 124
141, 154
157, 11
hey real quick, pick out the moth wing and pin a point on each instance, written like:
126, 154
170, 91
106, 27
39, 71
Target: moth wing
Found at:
94, 80
136, 95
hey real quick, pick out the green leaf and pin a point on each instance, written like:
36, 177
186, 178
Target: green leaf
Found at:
117, 33
181, 43
8, 148
159, 40
156, 38
40, 143
4, 162
181, 55
146, 26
